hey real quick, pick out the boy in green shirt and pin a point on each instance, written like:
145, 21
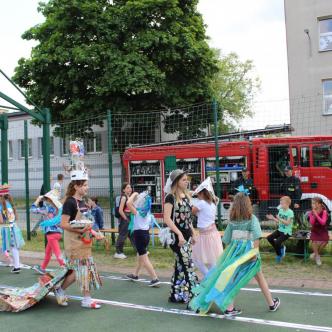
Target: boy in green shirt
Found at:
284, 219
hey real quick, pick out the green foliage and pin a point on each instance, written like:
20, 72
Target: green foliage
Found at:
234, 87
132, 57
128, 56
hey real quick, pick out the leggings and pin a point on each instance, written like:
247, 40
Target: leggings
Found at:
52, 247
276, 239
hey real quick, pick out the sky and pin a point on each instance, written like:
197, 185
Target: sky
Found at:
254, 30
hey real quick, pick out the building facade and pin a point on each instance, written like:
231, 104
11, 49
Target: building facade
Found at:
96, 159
309, 49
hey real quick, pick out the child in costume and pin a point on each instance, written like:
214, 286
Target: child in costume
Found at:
238, 264
208, 246
178, 217
77, 240
319, 235
284, 219
12, 239
140, 207
50, 208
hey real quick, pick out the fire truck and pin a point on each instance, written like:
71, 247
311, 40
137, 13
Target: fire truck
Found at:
147, 168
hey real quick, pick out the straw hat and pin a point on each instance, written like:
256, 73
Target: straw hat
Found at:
54, 197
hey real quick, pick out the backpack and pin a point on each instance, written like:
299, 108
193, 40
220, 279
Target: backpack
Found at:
117, 205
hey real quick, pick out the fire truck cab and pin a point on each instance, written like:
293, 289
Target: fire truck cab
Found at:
310, 157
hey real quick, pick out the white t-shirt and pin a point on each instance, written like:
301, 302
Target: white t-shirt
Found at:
206, 213
142, 223
57, 186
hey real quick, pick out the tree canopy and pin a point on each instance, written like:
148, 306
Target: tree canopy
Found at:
129, 56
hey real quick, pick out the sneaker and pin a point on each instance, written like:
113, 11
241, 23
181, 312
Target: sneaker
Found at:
312, 256
61, 297
16, 270
278, 259
283, 251
318, 261
154, 283
234, 312
120, 256
38, 269
132, 277
276, 304
90, 304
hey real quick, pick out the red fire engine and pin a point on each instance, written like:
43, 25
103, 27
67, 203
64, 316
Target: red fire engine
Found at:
311, 158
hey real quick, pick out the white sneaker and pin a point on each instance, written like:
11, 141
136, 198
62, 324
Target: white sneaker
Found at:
312, 256
318, 261
61, 298
90, 304
120, 256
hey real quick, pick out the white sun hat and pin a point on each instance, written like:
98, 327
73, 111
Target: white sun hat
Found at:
54, 197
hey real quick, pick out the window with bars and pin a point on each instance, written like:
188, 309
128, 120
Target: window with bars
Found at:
93, 144
22, 148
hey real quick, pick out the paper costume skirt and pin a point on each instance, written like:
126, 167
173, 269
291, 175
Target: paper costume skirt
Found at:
235, 268
17, 299
86, 272
11, 236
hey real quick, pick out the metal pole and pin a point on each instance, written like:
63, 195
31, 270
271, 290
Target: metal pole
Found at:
46, 149
215, 116
110, 169
4, 148
26, 169
46, 153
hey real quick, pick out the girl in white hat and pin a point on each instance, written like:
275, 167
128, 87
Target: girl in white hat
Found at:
51, 209
208, 246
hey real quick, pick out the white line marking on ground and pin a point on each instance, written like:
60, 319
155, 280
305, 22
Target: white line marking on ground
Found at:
247, 289
215, 316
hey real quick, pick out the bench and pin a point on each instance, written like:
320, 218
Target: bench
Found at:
155, 232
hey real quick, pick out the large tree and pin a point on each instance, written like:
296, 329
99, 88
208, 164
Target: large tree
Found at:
125, 55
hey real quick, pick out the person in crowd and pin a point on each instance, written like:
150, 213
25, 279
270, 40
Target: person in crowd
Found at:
124, 219
247, 182
291, 187
140, 207
58, 185
238, 264
97, 213
79, 260
50, 208
318, 218
11, 235
208, 245
178, 217
285, 220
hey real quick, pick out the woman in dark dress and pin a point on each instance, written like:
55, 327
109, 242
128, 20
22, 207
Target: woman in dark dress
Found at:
178, 217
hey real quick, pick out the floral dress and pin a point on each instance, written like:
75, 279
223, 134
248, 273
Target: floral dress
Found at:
184, 278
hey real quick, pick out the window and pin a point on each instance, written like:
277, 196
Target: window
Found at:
93, 144
305, 157
325, 35
327, 97
65, 146
21, 143
295, 157
322, 156
10, 150
40, 143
